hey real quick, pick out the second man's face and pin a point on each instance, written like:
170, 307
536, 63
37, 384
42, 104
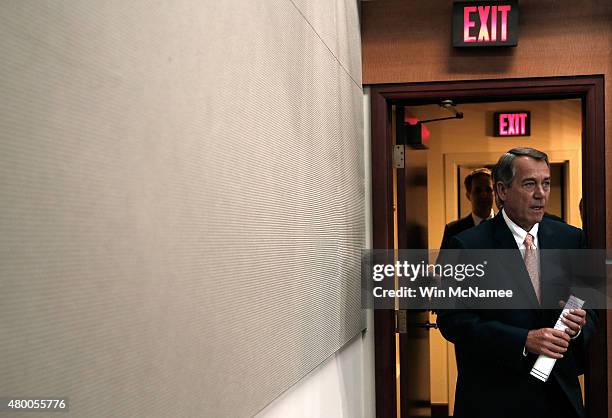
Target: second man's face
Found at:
481, 196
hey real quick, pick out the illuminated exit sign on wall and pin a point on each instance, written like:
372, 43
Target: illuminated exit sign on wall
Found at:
512, 123
485, 23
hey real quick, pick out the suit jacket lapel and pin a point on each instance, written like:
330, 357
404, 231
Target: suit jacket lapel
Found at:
516, 265
550, 263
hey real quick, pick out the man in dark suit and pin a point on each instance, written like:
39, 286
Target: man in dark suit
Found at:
496, 349
479, 191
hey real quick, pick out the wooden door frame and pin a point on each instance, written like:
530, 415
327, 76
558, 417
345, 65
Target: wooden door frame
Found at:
590, 89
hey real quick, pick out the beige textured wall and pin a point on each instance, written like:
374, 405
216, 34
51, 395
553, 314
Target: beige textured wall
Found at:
182, 200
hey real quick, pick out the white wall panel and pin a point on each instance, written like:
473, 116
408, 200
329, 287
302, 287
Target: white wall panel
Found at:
182, 200
332, 390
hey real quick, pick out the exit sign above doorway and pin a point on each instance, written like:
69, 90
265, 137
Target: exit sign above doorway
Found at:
485, 23
513, 123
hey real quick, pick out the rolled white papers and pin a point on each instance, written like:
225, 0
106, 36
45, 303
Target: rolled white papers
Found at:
544, 364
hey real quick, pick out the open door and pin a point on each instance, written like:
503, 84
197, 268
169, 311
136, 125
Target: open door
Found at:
412, 325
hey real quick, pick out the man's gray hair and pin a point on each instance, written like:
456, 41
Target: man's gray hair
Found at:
505, 171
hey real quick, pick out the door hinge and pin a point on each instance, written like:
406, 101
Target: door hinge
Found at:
401, 326
398, 156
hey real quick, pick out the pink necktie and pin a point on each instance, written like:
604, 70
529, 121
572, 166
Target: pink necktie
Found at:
531, 262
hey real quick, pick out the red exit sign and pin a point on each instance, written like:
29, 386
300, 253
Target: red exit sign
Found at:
485, 23
512, 123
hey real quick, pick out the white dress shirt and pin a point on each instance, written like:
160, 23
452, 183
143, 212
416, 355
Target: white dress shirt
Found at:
519, 233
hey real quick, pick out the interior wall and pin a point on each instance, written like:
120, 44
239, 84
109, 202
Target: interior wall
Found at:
343, 385
182, 199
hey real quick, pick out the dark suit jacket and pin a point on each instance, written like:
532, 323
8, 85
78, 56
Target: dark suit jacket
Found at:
454, 228
494, 379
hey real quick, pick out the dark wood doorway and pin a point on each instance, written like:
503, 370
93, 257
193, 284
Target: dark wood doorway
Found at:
590, 89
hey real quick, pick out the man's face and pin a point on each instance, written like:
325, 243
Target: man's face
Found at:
525, 199
481, 195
